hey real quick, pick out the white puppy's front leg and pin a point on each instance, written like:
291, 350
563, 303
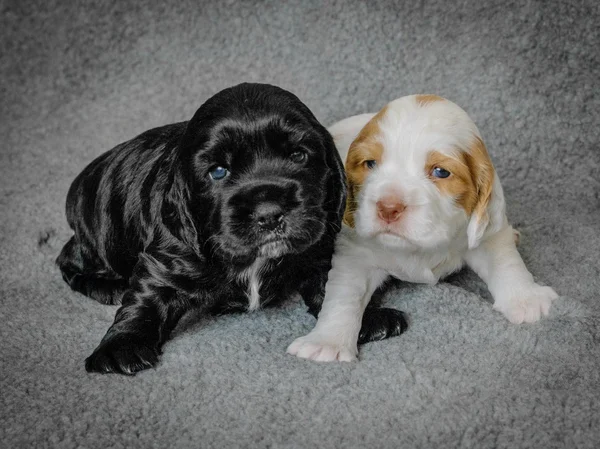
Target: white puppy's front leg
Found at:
348, 291
497, 261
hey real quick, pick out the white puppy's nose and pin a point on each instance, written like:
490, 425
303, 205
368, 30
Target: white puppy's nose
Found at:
389, 209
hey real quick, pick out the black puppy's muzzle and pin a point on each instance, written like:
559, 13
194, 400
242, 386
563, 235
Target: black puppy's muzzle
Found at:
260, 208
269, 217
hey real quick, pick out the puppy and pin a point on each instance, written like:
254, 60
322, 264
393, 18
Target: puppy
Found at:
237, 208
424, 199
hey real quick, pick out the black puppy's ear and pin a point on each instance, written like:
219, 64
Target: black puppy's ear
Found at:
336, 184
176, 212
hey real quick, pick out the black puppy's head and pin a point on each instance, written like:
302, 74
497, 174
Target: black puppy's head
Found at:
263, 176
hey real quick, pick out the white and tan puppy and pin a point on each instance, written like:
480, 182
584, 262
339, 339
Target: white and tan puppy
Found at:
424, 199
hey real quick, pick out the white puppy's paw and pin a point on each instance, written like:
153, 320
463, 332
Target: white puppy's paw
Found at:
322, 349
527, 304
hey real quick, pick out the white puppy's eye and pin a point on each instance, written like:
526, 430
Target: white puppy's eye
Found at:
218, 173
298, 157
439, 172
371, 164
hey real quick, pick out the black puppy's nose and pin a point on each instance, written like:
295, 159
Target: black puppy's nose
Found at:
268, 216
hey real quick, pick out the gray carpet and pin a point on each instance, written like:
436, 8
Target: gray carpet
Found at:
76, 80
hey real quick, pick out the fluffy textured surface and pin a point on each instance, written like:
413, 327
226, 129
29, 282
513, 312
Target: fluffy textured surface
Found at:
77, 79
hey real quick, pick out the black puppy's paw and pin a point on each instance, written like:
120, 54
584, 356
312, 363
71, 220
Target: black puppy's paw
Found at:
122, 355
381, 323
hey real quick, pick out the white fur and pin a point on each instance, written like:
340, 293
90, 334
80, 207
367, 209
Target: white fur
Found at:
345, 131
251, 275
433, 238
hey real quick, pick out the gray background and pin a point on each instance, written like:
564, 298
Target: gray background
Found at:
79, 77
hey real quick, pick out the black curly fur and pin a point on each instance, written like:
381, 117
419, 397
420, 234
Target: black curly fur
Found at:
155, 233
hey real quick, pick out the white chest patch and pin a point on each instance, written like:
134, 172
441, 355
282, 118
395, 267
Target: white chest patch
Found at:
252, 276
419, 267
413, 273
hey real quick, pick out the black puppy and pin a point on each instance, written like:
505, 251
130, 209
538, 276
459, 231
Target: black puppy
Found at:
234, 209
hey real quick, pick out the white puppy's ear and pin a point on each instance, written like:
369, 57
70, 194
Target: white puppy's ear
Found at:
345, 131
356, 140
488, 215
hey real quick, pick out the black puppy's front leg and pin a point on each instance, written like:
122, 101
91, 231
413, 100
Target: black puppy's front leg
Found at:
312, 290
150, 311
379, 323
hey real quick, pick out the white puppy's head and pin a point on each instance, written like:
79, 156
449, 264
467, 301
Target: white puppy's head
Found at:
419, 176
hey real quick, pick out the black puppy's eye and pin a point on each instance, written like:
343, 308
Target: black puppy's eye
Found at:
371, 164
298, 157
218, 173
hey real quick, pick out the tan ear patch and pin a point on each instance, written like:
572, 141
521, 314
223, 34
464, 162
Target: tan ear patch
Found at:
471, 179
423, 100
482, 170
366, 147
